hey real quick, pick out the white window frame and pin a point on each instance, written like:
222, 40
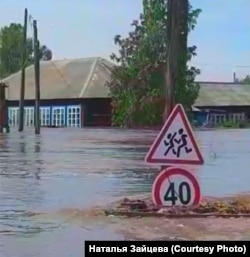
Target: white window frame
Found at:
218, 118
58, 117
29, 116
13, 114
74, 116
45, 116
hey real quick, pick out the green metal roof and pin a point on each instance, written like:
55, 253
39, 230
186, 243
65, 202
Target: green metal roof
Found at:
223, 94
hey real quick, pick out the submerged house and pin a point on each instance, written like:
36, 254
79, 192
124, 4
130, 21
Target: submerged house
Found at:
73, 93
200, 117
220, 102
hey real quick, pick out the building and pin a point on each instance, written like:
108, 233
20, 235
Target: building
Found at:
200, 117
223, 102
73, 93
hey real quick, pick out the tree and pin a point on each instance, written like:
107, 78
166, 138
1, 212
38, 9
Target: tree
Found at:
137, 84
45, 53
11, 38
246, 80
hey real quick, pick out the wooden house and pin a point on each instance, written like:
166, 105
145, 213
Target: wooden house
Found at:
73, 93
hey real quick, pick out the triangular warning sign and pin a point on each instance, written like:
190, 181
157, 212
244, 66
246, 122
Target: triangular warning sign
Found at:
175, 144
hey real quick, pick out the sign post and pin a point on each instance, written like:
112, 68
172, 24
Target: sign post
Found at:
175, 145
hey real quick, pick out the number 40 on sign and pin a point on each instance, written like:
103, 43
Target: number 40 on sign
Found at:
175, 186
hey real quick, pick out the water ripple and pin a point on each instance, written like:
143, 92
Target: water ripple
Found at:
64, 168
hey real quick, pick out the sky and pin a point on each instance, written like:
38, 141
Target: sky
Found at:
86, 28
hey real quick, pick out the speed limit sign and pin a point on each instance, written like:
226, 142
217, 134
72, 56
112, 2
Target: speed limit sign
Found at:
175, 186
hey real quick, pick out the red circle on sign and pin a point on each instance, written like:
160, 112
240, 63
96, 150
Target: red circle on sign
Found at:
171, 171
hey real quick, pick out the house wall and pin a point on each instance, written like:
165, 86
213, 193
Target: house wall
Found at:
220, 114
56, 113
200, 118
64, 112
98, 112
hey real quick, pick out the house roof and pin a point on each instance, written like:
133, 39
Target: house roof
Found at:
194, 109
78, 78
223, 94
86, 78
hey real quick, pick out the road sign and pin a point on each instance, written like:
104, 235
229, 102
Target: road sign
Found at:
175, 186
175, 144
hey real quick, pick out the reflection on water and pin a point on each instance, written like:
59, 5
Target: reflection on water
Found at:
64, 168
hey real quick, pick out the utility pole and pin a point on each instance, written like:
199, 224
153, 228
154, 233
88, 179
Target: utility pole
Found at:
234, 78
37, 79
4, 126
23, 66
177, 32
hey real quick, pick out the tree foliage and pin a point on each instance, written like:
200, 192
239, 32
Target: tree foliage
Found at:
137, 84
246, 80
11, 41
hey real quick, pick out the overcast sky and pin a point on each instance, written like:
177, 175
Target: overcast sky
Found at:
84, 28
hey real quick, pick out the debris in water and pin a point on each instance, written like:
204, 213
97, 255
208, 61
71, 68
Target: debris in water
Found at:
233, 207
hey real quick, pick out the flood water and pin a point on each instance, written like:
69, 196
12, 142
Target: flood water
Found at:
78, 168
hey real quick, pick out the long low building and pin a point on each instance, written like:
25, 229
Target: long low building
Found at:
223, 102
74, 94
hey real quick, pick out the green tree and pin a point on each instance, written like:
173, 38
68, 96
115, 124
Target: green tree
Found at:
246, 80
11, 38
137, 84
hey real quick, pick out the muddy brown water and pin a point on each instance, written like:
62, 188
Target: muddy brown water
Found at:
76, 169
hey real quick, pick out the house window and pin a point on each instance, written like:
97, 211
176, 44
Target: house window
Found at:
217, 118
237, 117
58, 116
45, 116
221, 118
29, 116
13, 114
212, 119
74, 116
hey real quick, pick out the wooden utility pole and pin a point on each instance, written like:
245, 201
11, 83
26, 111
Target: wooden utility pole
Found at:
37, 79
177, 31
4, 126
23, 65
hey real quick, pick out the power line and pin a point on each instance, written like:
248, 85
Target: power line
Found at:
197, 63
31, 19
222, 65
